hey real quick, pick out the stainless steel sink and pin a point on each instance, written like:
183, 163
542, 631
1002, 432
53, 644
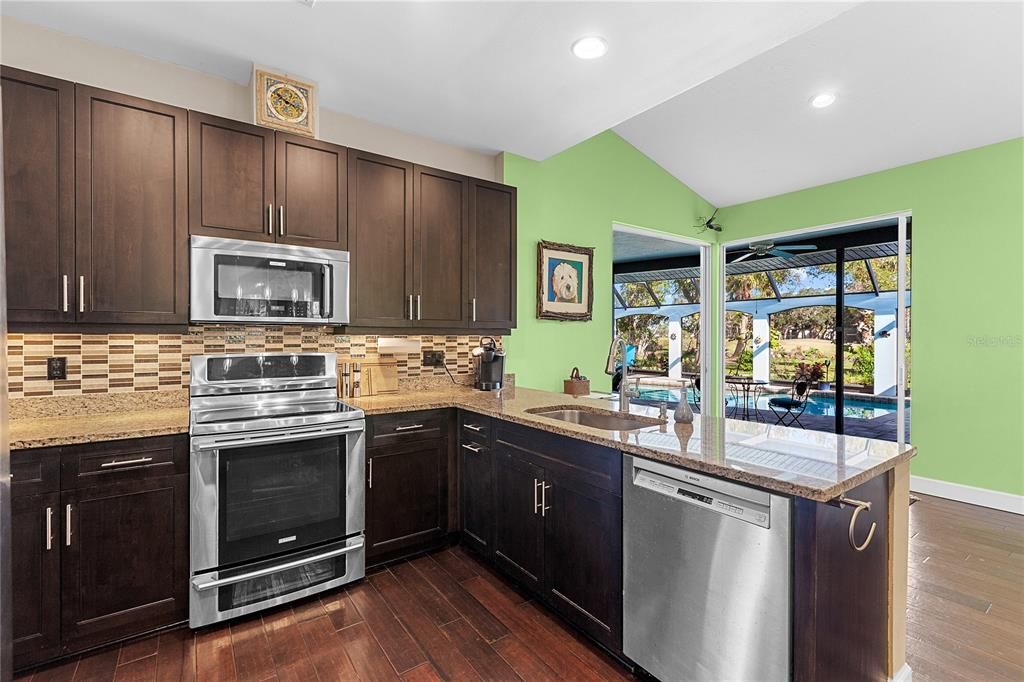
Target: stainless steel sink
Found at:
609, 421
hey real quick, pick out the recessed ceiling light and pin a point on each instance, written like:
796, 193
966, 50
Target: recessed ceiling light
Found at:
822, 100
590, 47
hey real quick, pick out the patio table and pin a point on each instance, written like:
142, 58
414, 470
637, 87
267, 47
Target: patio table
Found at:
746, 386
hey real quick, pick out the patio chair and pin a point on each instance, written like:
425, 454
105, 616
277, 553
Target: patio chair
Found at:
789, 408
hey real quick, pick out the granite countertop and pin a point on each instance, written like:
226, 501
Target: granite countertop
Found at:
811, 464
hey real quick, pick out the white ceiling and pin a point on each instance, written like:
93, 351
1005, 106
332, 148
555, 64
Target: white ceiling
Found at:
632, 246
915, 81
493, 76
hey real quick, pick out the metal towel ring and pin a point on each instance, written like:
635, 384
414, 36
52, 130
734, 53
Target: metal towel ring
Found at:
859, 507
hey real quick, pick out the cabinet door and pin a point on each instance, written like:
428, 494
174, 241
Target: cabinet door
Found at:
380, 239
231, 178
583, 556
39, 186
35, 578
477, 501
125, 560
492, 260
312, 181
518, 526
131, 199
406, 497
441, 230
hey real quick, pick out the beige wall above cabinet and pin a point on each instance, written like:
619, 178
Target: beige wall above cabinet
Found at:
248, 182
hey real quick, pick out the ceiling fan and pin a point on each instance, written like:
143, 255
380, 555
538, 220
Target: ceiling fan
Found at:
769, 249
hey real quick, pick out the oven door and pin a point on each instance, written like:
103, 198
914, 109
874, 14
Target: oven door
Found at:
256, 496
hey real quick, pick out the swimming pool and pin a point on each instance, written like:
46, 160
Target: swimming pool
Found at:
819, 405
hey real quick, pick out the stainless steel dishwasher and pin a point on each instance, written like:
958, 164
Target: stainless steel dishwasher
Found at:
706, 576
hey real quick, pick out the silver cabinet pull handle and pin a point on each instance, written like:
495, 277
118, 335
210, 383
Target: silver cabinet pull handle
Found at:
371, 473
419, 308
126, 462
471, 448
474, 308
49, 528
81, 293
280, 220
536, 503
410, 308
474, 427
270, 219
67, 525
64, 282
409, 428
544, 498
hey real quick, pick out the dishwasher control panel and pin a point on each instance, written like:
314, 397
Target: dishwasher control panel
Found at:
745, 510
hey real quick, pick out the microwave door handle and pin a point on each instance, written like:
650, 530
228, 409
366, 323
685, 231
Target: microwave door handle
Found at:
328, 307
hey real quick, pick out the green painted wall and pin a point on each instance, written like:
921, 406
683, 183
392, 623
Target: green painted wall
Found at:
574, 197
967, 319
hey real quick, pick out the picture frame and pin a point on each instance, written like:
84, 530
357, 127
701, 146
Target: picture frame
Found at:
565, 282
284, 103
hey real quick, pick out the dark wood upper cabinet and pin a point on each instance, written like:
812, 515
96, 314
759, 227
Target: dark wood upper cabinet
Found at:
440, 236
39, 196
131, 200
492, 262
35, 576
312, 186
380, 236
231, 179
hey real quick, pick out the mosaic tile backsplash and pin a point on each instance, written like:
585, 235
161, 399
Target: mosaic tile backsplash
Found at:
116, 363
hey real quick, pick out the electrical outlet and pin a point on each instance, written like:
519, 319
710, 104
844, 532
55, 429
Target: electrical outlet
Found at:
56, 368
433, 358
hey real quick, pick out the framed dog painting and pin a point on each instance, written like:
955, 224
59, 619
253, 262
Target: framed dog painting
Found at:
565, 281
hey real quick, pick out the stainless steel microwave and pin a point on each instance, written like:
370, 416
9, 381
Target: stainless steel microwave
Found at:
241, 281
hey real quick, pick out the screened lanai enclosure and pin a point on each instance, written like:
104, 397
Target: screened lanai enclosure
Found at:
788, 322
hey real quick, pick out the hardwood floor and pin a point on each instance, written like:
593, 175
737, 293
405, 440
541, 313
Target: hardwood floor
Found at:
447, 616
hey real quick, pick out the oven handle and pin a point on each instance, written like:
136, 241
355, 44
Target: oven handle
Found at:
201, 586
238, 441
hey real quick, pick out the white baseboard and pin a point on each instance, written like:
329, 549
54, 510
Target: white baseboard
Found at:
904, 674
993, 499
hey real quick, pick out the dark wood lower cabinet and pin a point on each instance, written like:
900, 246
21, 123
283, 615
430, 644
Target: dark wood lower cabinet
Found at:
406, 498
122, 570
476, 485
518, 525
97, 555
35, 573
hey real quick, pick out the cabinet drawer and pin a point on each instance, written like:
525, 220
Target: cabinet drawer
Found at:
406, 427
137, 459
34, 472
474, 427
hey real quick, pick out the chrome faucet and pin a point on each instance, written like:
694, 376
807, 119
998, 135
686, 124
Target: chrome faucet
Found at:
624, 380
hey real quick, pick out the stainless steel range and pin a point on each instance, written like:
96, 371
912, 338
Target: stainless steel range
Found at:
277, 468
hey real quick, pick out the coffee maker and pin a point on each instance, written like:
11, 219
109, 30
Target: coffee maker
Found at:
490, 365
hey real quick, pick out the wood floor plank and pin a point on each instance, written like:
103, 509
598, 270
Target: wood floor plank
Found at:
136, 650
292, 659
98, 666
455, 565
252, 650
537, 639
366, 654
489, 627
437, 607
215, 661
422, 673
525, 662
138, 670
340, 609
327, 650
400, 648
175, 657
308, 609
62, 672
480, 654
442, 652
568, 641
